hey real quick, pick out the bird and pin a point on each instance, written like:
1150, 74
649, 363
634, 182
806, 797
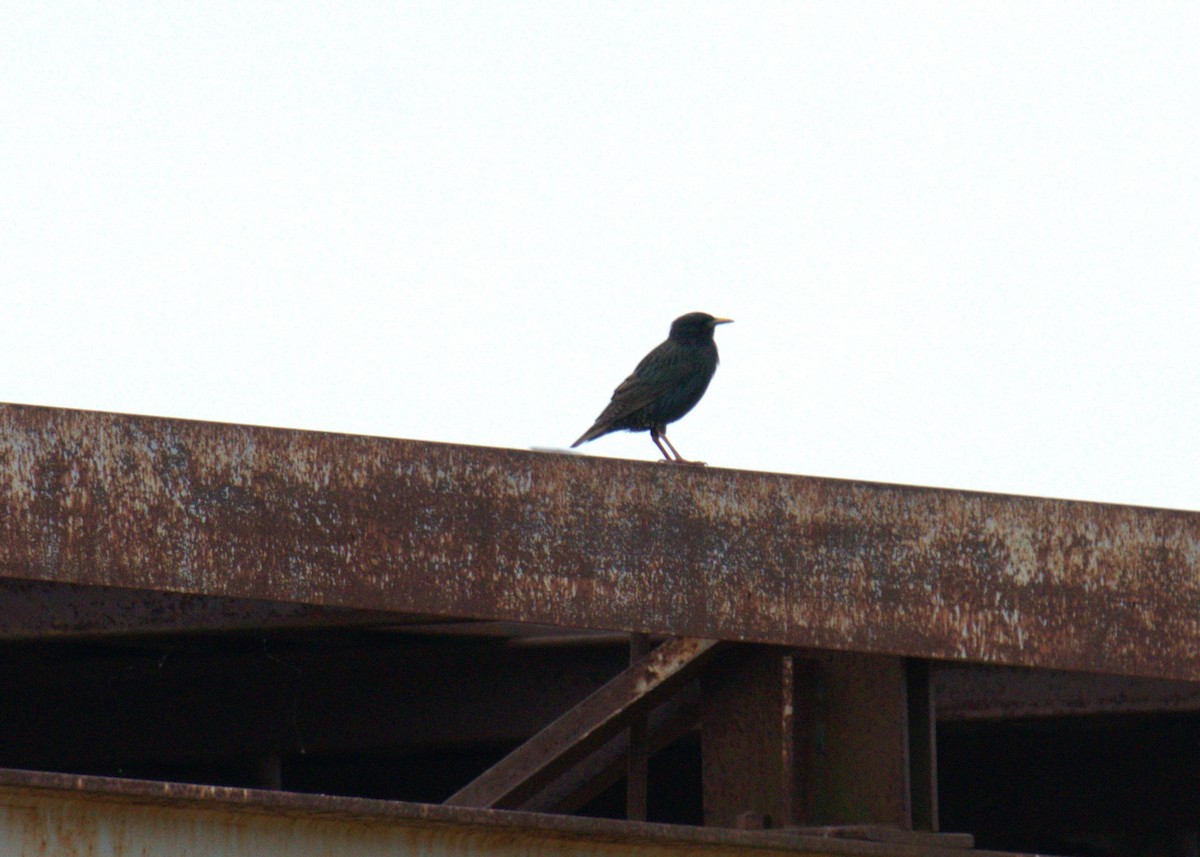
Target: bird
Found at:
667, 384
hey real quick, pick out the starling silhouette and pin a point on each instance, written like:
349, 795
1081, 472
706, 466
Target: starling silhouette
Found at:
667, 384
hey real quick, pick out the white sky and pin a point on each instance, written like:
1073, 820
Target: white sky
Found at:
961, 241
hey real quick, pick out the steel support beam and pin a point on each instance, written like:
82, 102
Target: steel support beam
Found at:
424, 528
807, 738
852, 723
976, 692
638, 758
587, 726
33, 610
922, 745
48, 815
586, 780
747, 739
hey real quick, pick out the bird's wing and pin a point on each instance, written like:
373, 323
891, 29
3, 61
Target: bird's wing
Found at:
663, 370
660, 371
634, 393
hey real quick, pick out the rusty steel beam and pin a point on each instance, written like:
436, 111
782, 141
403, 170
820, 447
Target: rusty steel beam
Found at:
973, 692
922, 745
751, 765
587, 779
852, 739
31, 609
875, 833
49, 815
638, 757
792, 737
585, 727
411, 527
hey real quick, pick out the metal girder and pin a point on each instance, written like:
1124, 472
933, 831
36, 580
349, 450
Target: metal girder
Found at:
752, 767
976, 692
412, 527
794, 737
31, 609
585, 780
637, 777
587, 726
49, 815
853, 739
922, 745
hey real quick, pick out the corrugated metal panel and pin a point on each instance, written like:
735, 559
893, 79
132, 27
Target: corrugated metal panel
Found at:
371, 523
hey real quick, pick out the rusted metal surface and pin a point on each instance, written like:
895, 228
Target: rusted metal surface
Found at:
853, 739
588, 779
874, 833
378, 524
33, 609
56, 815
751, 768
808, 738
922, 745
751, 757
584, 728
638, 756
973, 692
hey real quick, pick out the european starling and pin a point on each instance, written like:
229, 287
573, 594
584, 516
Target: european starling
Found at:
667, 384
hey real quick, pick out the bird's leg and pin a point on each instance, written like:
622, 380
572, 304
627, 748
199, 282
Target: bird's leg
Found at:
679, 459
665, 440
655, 434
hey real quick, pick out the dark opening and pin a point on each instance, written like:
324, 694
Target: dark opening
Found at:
385, 714
1100, 785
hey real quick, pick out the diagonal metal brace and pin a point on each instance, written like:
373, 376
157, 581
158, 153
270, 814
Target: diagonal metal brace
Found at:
565, 741
605, 765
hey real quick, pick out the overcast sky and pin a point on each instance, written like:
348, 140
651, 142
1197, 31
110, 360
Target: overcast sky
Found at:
961, 241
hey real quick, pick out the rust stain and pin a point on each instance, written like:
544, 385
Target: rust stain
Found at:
659, 666
372, 523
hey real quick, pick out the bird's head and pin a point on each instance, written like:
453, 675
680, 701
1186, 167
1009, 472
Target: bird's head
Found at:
695, 327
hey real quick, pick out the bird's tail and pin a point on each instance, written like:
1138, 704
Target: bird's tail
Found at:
591, 434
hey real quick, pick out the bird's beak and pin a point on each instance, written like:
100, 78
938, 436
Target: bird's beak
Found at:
717, 321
